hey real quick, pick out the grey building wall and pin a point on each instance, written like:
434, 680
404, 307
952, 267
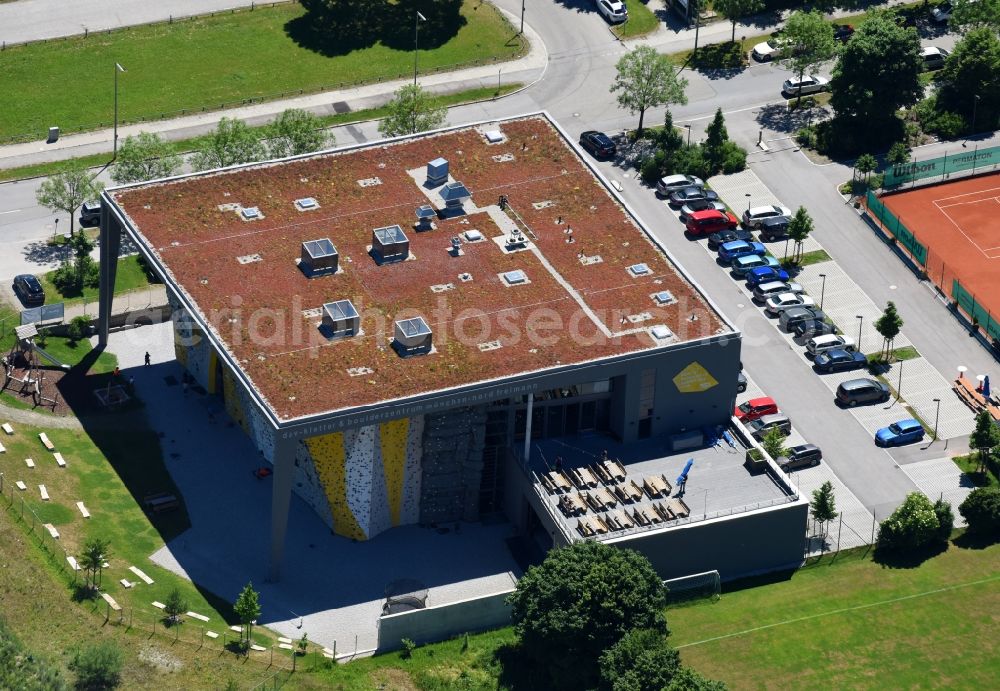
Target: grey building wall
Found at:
445, 621
452, 465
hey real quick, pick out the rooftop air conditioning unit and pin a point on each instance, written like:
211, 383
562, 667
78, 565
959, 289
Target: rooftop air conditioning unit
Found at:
340, 319
412, 337
319, 257
390, 244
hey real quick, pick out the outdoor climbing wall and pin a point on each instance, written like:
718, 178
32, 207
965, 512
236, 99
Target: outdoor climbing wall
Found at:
191, 348
452, 465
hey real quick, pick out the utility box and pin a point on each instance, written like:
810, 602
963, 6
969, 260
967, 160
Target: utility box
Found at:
340, 319
390, 244
319, 257
412, 337
53, 135
437, 172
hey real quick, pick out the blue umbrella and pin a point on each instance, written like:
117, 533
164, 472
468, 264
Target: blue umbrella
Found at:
986, 387
682, 478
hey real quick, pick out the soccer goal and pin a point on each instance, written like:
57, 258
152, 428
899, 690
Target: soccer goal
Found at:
697, 586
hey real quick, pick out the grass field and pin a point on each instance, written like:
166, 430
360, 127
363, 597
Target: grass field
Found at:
641, 20
131, 276
207, 62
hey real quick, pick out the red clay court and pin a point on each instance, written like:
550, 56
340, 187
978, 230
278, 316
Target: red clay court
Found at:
959, 223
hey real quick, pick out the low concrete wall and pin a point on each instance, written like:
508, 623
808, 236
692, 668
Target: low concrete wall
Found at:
444, 621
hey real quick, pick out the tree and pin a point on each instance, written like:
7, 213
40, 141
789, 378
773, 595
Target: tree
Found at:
889, 326
866, 164
913, 525
877, 73
98, 666
716, 137
296, 132
799, 228
808, 41
670, 139
641, 661
824, 505
412, 110
975, 14
687, 679
247, 608
142, 157
578, 603
646, 79
899, 153
66, 191
774, 443
970, 71
95, 553
734, 10
174, 606
985, 437
981, 510
945, 518
232, 142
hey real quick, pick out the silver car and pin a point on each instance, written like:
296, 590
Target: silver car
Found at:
809, 84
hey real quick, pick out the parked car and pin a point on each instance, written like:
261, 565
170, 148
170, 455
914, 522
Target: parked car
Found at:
903, 432
773, 228
800, 456
613, 10
29, 289
839, 360
741, 382
598, 144
754, 408
766, 51
90, 213
790, 317
671, 183
776, 304
690, 194
700, 205
742, 265
942, 12
765, 290
762, 425
842, 32
862, 391
752, 217
764, 274
716, 240
711, 221
808, 84
739, 248
813, 327
822, 344
933, 57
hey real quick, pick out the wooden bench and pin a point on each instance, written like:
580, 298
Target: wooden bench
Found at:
678, 507
199, 617
7, 428
615, 469
640, 518
663, 512
587, 477
46, 442
52, 530
602, 475
126, 583
83, 509
138, 572
60, 461
656, 486
111, 602
20, 485
606, 497
571, 505
44, 492
28, 462
623, 519
211, 634
72, 563
559, 481
161, 502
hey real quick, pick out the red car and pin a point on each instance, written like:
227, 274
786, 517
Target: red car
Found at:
702, 223
755, 408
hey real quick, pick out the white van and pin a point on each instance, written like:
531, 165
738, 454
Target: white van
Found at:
821, 344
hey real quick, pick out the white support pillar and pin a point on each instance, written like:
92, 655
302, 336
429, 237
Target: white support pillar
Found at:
527, 430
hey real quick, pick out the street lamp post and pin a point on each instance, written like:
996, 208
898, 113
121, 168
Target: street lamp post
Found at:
822, 291
747, 195
861, 320
937, 415
688, 127
118, 68
975, 104
416, 42
899, 384
522, 17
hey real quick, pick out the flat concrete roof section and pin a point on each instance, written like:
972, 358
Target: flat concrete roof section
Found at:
230, 242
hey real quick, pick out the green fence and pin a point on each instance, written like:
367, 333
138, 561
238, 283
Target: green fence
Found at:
899, 231
984, 159
968, 303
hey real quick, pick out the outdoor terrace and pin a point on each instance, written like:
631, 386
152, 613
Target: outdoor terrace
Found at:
580, 300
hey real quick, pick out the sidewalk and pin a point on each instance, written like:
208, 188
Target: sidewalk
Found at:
525, 70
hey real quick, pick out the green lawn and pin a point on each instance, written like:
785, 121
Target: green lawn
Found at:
209, 63
130, 276
641, 20
970, 466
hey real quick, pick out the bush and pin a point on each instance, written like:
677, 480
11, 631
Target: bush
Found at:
806, 137
408, 647
943, 123
640, 661
913, 525
66, 279
98, 666
946, 519
981, 510
690, 160
651, 168
734, 158
21, 669
78, 328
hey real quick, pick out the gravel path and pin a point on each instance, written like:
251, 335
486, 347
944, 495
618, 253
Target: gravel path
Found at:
30, 417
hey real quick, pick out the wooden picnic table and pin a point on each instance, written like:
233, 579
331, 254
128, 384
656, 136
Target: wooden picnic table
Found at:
615, 469
975, 399
587, 477
623, 518
655, 486
678, 507
559, 481
571, 505
606, 497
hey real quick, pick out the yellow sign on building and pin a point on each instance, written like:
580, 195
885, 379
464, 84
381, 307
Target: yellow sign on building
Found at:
694, 379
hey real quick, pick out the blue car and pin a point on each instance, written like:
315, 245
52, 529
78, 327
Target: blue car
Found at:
740, 248
899, 433
839, 360
752, 261
765, 274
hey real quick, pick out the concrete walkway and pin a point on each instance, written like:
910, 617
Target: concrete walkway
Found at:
35, 419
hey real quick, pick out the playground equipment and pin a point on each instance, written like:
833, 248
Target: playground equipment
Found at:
27, 352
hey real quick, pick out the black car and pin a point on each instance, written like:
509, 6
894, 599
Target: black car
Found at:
773, 228
29, 289
839, 360
811, 328
842, 32
598, 144
90, 213
796, 315
800, 456
690, 194
741, 383
716, 240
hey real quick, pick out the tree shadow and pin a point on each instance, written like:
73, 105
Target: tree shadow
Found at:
908, 559
778, 118
971, 540
756, 581
40, 252
517, 671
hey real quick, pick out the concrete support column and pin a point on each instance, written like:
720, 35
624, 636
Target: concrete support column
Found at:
527, 431
110, 242
281, 500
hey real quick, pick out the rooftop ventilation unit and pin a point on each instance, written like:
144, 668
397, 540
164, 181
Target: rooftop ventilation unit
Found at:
319, 257
412, 337
437, 172
306, 204
639, 270
494, 136
250, 213
515, 277
340, 319
390, 244
425, 214
455, 195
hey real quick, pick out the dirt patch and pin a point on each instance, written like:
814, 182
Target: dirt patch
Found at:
393, 678
160, 659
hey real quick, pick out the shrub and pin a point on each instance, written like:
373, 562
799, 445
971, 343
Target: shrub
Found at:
78, 328
806, 137
66, 279
640, 661
943, 123
98, 666
408, 647
981, 510
734, 158
914, 524
689, 160
651, 168
946, 519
